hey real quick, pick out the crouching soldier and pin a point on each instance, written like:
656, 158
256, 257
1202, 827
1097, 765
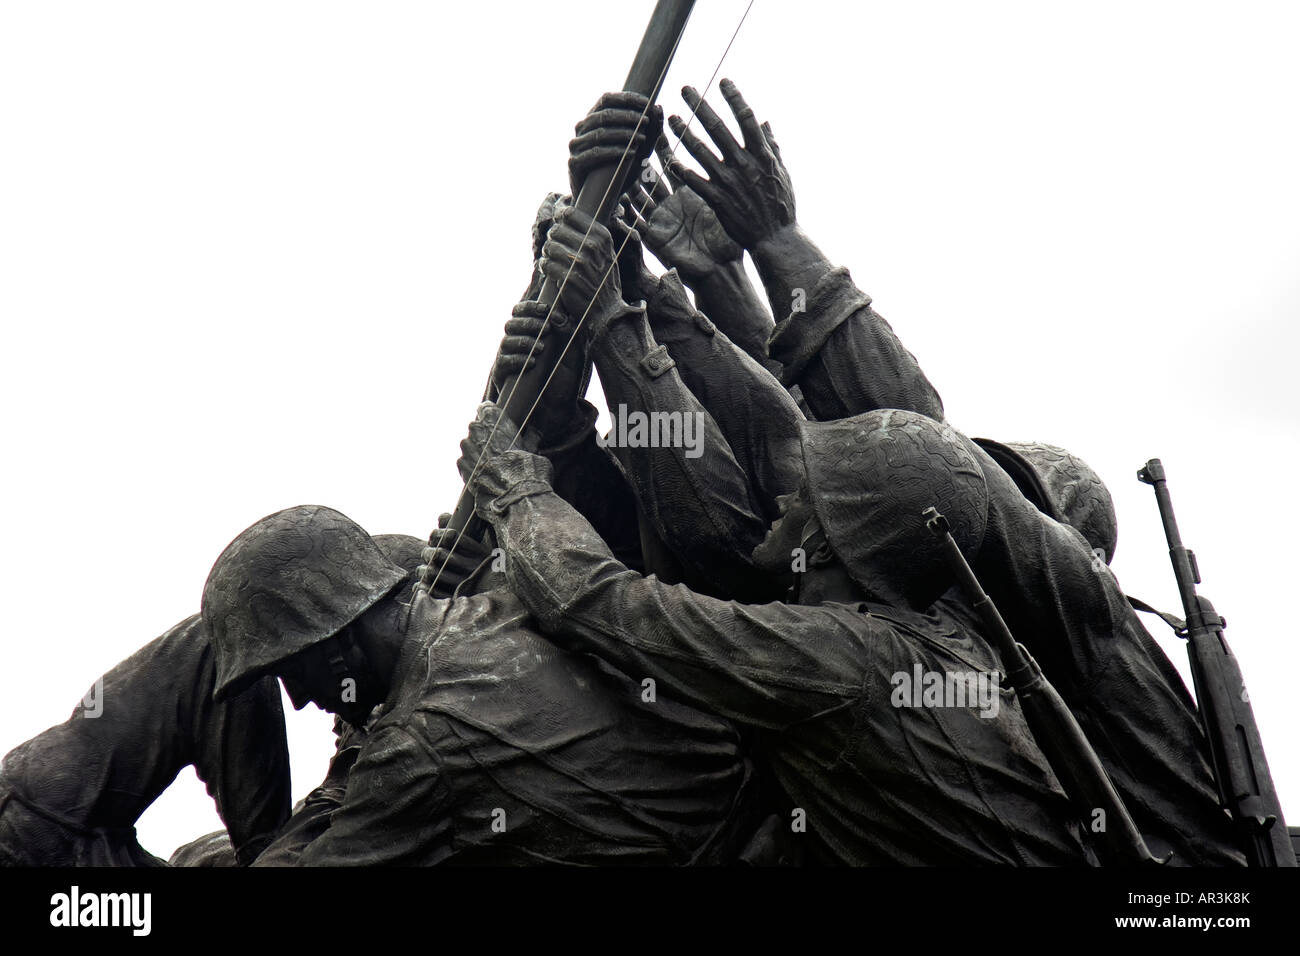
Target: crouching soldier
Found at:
311, 814
493, 746
71, 795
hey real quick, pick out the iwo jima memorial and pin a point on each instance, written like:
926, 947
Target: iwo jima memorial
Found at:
782, 613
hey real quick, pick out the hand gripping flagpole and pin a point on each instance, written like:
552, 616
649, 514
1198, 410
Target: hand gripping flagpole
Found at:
470, 524
597, 198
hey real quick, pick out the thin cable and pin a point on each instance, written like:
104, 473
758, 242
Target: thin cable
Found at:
577, 328
504, 400
627, 238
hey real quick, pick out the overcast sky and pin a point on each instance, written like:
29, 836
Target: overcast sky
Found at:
258, 254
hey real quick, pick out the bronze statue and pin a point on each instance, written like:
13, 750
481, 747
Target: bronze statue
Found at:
71, 795
719, 633
493, 745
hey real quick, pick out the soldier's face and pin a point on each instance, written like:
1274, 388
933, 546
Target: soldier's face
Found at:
298, 695
303, 679
326, 676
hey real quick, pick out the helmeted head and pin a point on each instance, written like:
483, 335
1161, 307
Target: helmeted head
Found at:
404, 550
1062, 486
288, 582
870, 478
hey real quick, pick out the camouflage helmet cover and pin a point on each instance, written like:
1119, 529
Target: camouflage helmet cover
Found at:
870, 478
289, 581
1063, 486
404, 550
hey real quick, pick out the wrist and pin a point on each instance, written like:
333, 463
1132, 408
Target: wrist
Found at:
776, 247
724, 278
509, 477
791, 266
569, 433
646, 287
615, 315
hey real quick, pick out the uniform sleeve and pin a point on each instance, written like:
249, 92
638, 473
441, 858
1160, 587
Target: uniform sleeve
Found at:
758, 418
242, 755
312, 817
394, 809
587, 477
770, 665
846, 359
695, 495
730, 300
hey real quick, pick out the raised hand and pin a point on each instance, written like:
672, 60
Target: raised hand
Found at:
637, 279
545, 216
605, 132
494, 457
520, 350
748, 187
450, 557
678, 226
491, 433
520, 347
578, 253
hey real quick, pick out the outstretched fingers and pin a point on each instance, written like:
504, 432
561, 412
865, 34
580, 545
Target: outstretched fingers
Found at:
694, 181
691, 179
665, 155
641, 205
749, 128
710, 163
712, 123
771, 140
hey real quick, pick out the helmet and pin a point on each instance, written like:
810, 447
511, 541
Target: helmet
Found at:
404, 550
871, 476
1063, 486
291, 580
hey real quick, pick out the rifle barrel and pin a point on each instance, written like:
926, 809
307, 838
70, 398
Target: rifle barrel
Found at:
1059, 735
1241, 773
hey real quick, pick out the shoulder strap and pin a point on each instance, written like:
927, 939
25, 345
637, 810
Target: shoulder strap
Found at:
1177, 623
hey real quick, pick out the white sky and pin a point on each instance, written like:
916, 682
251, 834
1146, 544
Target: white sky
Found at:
259, 254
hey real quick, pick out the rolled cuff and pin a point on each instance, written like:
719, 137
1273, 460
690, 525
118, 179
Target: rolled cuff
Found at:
671, 303
583, 423
798, 338
508, 477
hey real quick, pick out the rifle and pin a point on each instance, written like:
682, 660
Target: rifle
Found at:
1241, 772
1059, 735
